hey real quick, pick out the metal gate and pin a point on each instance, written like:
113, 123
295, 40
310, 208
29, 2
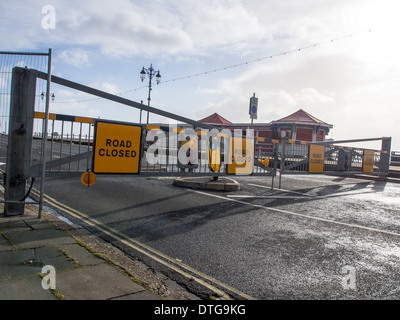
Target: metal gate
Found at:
71, 141
332, 158
185, 149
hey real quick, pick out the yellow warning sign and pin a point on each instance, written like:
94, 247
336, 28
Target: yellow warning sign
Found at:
316, 159
368, 161
242, 152
117, 148
88, 178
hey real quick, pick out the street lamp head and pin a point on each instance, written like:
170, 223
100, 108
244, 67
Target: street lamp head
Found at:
142, 74
158, 77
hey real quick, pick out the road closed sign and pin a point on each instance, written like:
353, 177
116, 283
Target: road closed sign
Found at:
368, 161
316, 159
117, 148
241, 151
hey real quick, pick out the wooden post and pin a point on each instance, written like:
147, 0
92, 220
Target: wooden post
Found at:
22, 103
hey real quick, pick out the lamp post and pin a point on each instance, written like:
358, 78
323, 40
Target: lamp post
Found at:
53, 96
150, 72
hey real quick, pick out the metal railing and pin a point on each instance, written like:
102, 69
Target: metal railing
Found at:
71, 140
70, 144
337, 159
395, 158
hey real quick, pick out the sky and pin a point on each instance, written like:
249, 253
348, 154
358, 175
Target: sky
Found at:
346, 73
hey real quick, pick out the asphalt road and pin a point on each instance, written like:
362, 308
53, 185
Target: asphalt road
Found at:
320, 237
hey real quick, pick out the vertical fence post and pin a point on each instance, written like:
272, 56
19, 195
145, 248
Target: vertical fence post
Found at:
44, 144
275, 164
22, 104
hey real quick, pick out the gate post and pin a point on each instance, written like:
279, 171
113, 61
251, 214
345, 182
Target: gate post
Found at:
384, 161
22, 104
283, 155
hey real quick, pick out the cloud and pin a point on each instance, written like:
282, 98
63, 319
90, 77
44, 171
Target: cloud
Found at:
105, 86
324, 84
124, 28
121, 28
75, 57
351, 83
310, 96
208, 91
117, 28
224, 25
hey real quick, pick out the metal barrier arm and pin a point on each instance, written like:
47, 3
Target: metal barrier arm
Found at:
118, 99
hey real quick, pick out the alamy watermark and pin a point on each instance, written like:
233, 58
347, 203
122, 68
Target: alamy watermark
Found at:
349, 277
49, 279
49, 20
186, 147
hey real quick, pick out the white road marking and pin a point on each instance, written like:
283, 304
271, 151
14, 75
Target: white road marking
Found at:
264, 197
350, 225
343, 193
289, 191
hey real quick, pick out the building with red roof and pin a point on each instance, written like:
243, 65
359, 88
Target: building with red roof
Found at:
215, 118
302, 126
299, 125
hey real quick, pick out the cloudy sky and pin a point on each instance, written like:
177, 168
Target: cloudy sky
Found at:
351, 82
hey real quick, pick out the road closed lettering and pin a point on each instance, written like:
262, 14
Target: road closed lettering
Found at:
117, 148
240, 156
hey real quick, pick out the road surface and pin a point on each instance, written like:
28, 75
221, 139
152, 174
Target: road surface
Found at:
320, 237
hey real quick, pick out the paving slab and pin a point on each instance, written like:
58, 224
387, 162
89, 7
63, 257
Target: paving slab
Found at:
28, 287
18, 263
81, 255
37, 238
13, 224
100, 282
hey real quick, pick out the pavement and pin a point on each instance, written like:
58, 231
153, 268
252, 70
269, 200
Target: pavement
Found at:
51, 259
